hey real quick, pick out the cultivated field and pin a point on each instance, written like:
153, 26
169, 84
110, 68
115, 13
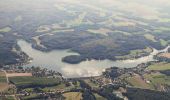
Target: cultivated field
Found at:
157, 80
138, 82
73, 96
18, 74
167, 55
3, 81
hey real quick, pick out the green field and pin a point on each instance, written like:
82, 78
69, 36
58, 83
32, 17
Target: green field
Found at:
90, 83
159, 66
6, 29
136, 81
33, 81
134, 53
158, 79
150, 37
7, 98
164, 20
61, 86
163, 42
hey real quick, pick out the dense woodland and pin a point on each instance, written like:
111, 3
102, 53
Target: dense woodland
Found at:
142, 94
22, 22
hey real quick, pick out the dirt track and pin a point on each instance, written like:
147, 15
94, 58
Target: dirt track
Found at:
18, 74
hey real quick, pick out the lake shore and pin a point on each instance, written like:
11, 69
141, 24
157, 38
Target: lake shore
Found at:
53, 60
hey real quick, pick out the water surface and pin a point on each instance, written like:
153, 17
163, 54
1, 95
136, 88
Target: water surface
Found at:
53, 60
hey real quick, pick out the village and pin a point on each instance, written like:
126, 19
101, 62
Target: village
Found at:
36, 82
70, 84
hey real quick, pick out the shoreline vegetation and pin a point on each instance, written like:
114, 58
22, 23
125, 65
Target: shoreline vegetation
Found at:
29, 60
77, 58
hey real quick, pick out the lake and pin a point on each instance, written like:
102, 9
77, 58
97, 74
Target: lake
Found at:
53, 60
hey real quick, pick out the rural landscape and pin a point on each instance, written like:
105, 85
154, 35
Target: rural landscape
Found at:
84, 50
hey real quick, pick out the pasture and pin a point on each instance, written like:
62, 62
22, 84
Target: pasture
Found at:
29, 81
159, 66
